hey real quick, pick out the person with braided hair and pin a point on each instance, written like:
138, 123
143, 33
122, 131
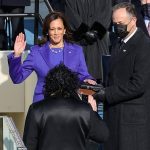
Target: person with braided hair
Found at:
62, 121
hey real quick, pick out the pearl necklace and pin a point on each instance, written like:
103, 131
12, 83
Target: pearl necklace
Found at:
56, 49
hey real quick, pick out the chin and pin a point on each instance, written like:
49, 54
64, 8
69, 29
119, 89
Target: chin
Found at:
56, 41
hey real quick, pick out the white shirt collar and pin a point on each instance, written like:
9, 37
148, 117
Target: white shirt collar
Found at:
127, 39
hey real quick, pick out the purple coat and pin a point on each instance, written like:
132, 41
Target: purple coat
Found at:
38, 61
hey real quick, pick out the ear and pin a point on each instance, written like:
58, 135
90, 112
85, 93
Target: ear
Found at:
65, 31
135, 19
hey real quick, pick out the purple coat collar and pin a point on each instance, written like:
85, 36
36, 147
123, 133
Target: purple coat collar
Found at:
68, 50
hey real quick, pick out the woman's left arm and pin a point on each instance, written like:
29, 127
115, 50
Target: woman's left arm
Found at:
83, 71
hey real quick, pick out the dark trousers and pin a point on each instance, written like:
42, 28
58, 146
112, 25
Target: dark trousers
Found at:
16, 22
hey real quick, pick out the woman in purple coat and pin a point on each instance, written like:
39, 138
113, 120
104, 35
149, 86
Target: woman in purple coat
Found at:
55, 47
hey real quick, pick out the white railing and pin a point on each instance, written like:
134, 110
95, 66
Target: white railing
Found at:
10, 138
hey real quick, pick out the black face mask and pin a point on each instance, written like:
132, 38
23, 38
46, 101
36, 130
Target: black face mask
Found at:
121, 30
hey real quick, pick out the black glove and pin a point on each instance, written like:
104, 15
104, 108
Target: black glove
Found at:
100, 95
82, 29
91, 36
101, 30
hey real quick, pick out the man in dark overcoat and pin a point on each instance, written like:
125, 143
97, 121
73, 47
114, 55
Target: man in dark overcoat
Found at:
90, 20
11, 6
127, 95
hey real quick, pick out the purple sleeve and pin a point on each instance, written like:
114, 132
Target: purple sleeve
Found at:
19, 71
82, 70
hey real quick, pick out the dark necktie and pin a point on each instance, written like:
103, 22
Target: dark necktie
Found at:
120, 46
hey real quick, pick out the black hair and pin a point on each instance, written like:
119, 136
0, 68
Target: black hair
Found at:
46, 25
61, 81
130, 8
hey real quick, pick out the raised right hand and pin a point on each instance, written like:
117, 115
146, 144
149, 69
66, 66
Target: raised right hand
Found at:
19, 45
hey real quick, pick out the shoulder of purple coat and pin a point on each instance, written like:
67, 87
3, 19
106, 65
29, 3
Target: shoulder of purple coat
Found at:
35, 47
72, 45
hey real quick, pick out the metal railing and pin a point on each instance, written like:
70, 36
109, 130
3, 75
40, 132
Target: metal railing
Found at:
10, 138
37, 17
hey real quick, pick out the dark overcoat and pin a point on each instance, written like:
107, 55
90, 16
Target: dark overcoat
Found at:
127, 105
86, 13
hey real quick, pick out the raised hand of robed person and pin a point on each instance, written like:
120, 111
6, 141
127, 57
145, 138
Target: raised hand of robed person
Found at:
92, 102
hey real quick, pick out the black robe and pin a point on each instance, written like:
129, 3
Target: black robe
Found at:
85, 15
